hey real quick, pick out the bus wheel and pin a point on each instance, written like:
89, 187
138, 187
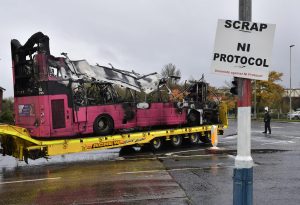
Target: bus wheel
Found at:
176, 140
103, 125
156, 144
194, 138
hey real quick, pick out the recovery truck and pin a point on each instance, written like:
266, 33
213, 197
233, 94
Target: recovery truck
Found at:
63, 106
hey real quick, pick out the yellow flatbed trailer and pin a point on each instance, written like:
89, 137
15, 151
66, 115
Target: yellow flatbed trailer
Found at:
17, 142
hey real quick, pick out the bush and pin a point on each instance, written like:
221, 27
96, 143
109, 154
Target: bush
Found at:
6, 116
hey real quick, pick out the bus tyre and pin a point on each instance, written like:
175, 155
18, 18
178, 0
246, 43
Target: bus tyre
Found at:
194, 138
103, 125
156, 144
176, 140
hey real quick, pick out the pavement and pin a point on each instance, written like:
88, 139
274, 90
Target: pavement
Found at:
189, 175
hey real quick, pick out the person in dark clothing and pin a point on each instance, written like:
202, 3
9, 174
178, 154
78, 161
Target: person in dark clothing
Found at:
267, 121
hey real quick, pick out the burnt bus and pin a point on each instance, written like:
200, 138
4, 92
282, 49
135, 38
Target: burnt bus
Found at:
57, 97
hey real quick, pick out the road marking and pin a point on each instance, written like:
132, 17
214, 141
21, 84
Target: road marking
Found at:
136, 199
230, 137
178, 156
166, 157
291, 136
277, 142
171, 153
135, 159
227, 142
274, 127
30, 180
217, 166
231, 156
148, 171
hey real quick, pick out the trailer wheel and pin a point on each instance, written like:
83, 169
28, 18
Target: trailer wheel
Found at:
8, 146
156, 144
176, 140
127, 150
103, 125
194, 138
205, 138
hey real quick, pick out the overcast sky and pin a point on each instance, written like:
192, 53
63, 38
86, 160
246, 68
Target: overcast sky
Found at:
144, 35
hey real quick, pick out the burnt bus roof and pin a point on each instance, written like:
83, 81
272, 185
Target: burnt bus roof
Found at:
81, 69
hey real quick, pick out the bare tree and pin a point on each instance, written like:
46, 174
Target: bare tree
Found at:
171, 71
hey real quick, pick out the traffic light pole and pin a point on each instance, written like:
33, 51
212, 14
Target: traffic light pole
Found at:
243, 171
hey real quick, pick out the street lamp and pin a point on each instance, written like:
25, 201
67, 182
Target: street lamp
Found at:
291, 46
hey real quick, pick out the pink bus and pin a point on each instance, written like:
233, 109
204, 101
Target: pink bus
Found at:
56, 97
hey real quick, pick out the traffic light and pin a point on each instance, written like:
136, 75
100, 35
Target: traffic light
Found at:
234, 88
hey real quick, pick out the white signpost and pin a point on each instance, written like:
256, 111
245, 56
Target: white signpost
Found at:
243, 49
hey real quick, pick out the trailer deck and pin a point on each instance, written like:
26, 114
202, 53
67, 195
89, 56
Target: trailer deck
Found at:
17, 142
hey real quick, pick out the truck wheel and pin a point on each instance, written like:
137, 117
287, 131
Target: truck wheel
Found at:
176, 140
156, 144
194, 138
205, 138
103, 125
127, 150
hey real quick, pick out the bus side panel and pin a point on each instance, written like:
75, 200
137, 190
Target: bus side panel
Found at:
60, 116
32, 113
160, 114
45, 116
172, 115
115, 111
151, 116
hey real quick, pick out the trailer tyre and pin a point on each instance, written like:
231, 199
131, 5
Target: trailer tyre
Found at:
156, 144
103, 125
205, 138
194, 138
176, 140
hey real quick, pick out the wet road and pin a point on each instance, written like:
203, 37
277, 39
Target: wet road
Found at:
191, 175
105, 182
